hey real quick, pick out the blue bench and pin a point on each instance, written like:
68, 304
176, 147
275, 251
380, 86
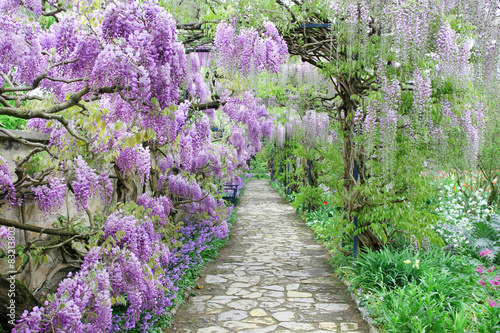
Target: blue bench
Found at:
230, 192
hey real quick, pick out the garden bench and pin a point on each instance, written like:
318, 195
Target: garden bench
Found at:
230, 192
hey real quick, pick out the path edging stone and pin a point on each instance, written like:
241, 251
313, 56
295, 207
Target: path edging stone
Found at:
364, 311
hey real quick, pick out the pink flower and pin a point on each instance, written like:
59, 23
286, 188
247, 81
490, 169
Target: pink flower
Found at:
493, 303
480, 269
486, 252
481, 282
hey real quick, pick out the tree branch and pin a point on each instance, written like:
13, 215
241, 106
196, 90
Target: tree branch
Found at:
190, 201
282, 4
34, 228
24, 141
208, 105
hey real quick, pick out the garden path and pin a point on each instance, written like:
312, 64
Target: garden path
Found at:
272, 277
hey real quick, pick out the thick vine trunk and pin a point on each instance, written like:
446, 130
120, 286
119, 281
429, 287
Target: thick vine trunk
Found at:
367, 238
14, 299
347, 85
492, 197
127, 188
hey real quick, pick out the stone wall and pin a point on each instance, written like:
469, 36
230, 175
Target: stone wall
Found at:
41, 277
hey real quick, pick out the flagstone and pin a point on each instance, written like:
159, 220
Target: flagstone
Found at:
302, 300
253, 295
261, 330
348, 327
284, 315
296, 294
232, 315
212, 329
332, 307
222, 299
297, 326
214, 279
239, 325
260, 320
275, 288
242, 304
332, 327
270, 304
258, 313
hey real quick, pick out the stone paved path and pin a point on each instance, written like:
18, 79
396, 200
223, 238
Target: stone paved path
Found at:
272, 277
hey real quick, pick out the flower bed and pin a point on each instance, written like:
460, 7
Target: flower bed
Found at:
136, 275
470, 225
412, 287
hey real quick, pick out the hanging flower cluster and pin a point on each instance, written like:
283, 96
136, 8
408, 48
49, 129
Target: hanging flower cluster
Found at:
7, 188
195, 83
135, 158
138, 269
246, 52
50, 198
311, 128
433, 61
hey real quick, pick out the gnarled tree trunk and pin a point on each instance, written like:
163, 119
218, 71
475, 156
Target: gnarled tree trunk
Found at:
14, 299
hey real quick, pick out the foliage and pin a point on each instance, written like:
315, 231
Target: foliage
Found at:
408, 291
308, 195
36, 164
322, 221
412, 308
14, 123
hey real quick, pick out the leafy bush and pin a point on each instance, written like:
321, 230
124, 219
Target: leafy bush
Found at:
387, 269
258, 165
420, 307
322, 221
314, 196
